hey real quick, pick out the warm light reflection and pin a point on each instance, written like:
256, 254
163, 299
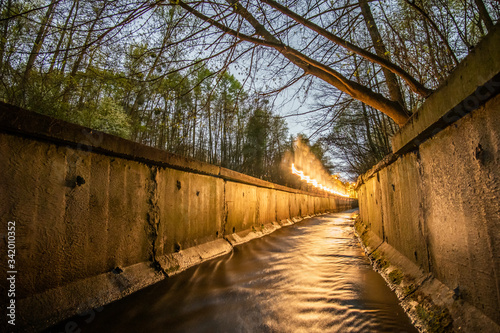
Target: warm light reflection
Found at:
314, 182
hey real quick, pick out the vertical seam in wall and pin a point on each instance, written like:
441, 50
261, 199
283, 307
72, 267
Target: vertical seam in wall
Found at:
257, 207
153, 217
422, 208
225, 208
493, 264
490, 235
106, 205
382, 220
276, 205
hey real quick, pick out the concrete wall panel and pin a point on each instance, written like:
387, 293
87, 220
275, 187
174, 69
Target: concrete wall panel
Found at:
294, 205
75, 231
241, 201
191, 209
283, 202
266, 206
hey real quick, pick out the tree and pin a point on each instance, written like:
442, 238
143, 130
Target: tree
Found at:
163, 68
310, 65
381, 51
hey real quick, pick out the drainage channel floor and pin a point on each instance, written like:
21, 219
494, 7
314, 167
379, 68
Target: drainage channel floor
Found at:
312, 276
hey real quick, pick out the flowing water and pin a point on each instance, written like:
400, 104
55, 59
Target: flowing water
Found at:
312, 276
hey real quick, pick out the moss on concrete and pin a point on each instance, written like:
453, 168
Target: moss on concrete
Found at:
379, 261
437, 319
396, 276
173, 269
409, 289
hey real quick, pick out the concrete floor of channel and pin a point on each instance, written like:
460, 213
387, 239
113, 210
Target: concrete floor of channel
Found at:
312, 276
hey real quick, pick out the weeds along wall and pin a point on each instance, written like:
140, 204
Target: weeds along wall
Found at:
98, 217
436, 199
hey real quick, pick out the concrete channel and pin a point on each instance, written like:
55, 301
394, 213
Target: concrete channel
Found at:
312, 276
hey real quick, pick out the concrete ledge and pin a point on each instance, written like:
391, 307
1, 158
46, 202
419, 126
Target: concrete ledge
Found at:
175, 263
238, 177
247, 235
18, 121
470, 85
286, 222
83, 296
432, 306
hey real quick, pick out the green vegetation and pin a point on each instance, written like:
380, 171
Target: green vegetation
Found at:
396, 276
409, 289
160, 73
379, 261
436, 319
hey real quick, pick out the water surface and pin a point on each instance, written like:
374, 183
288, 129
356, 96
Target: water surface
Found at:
309, 277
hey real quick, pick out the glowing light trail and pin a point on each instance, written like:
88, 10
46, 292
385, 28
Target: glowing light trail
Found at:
315, 183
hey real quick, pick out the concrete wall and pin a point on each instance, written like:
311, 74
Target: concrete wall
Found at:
98, 217
436, 200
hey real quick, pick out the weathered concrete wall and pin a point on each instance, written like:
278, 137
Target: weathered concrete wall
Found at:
436, 200
98, 217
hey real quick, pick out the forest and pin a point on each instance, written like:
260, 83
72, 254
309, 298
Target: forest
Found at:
203, 79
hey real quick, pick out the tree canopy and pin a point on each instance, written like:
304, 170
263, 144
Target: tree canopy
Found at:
159, 72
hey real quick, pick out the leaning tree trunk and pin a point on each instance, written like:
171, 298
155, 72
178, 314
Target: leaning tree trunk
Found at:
381, 50
483, 14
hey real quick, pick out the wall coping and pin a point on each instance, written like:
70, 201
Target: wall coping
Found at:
21, 122
471, 84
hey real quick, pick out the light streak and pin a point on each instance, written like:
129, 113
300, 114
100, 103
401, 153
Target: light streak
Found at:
315, 183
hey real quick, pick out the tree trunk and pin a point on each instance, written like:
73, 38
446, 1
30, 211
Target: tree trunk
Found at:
61, 39
70, 39
483, 13
76, 65
5, 29
381, 50
37, 45
42, 32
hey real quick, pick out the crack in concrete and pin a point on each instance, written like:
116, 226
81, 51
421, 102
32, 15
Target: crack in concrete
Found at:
153, 217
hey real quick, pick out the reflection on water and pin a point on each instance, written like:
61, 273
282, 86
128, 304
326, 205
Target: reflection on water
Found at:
309, 277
